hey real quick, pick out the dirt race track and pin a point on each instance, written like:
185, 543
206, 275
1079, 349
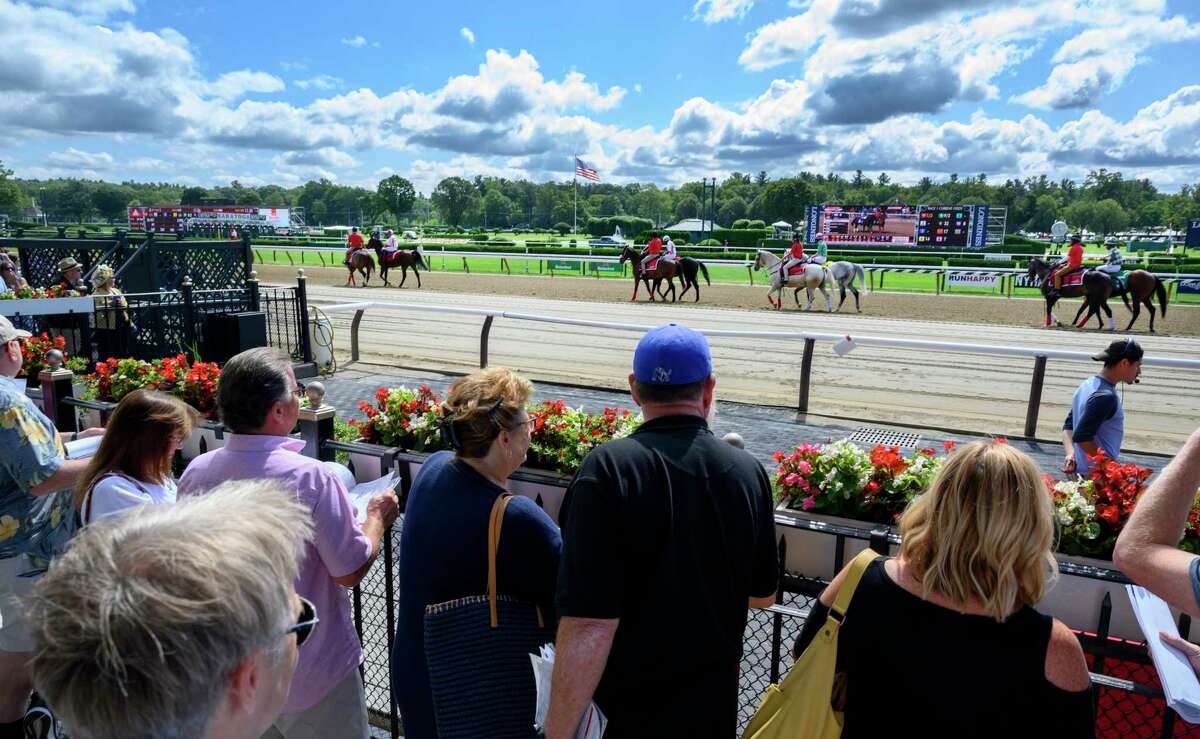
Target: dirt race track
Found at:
972, 392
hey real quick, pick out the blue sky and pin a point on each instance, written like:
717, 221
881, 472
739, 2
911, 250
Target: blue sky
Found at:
265, 92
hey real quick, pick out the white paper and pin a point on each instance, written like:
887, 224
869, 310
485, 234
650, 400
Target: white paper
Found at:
591, 726
82, 448
844, 347
360, 495
1179, 682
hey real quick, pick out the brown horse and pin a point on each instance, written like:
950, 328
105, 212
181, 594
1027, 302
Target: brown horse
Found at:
664, 270
1142, 286
402, 259
361, 262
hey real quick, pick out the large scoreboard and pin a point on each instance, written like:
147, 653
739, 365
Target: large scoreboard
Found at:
176, 218
944, 225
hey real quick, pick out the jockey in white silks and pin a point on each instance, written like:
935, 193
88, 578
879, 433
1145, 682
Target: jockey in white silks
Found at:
669, 252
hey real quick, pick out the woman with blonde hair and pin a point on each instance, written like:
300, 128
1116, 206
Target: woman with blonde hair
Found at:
132, 467
953, 615
444, 547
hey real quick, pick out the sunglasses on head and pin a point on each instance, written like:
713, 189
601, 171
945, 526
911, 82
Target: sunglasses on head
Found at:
305, 623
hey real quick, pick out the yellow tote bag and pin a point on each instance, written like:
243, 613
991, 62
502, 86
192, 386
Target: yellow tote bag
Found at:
799, 707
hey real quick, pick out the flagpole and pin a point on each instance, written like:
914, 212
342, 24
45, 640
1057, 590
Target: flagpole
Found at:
575, 192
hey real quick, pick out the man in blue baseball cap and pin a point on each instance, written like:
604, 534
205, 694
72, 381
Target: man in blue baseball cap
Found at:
669, 515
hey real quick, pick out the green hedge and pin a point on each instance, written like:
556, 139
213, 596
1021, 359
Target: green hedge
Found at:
743, 237
679, 237
773, 244
959, 262
607, 226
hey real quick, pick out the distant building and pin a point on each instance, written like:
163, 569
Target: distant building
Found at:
696, 229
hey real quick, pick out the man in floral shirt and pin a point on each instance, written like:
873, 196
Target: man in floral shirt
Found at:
34, 523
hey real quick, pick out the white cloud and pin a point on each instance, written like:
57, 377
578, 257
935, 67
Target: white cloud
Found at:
355, 41
73, 158
715, 11
1080, 84
234, 85
293, 66
467, 34
97, 10
321, 82
637, 87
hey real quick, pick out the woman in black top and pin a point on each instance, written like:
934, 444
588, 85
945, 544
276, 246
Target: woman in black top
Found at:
943, 639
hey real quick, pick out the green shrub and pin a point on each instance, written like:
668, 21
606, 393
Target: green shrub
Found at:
607, 226
756, 224
679, 237
775, 244
740, 236
963, 262
709, 242
741, 223
562, 228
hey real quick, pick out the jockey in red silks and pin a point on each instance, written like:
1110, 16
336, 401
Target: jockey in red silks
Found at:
794, 256
354, 242
1073, 263
653, 251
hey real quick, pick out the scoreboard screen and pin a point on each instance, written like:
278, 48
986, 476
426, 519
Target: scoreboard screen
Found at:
944, 225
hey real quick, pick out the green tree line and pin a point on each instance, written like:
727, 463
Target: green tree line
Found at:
1104, 202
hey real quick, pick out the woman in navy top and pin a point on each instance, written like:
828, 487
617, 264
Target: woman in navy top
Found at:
443, 550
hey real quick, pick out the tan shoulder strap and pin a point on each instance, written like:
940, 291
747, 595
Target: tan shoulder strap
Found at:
494, 524
857, 567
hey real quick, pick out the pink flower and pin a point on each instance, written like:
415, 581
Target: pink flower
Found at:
808, 503
792, 480
804, 467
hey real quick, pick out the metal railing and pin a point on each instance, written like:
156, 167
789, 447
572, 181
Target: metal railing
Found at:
1039, 356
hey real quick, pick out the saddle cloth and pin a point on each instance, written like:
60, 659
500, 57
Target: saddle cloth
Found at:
1075, 278
651, 264
797, 269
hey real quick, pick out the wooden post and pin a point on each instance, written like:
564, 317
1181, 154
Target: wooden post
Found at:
316, 427
805, 372
358, 314
57, 386
1035, 396
466, 266
483, 342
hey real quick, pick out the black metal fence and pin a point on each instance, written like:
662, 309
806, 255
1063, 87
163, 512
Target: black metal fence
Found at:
141, 266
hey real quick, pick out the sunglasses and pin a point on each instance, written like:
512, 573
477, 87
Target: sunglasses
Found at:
299, 391
306, 622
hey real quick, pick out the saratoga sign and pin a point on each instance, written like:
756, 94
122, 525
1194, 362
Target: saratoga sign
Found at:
973, 279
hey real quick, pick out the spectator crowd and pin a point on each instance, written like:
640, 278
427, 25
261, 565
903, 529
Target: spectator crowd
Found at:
135, 606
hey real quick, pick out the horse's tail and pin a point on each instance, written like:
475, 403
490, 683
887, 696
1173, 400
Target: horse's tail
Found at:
1161, 290
421, 261
861, 275
706, 279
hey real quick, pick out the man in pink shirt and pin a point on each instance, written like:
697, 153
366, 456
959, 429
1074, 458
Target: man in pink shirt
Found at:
259, 401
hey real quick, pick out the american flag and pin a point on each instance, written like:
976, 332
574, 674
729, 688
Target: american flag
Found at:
584, 171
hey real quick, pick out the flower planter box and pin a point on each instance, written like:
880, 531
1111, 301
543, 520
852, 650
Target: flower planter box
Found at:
811, 541
548, 488
46, 306
201, 440
1075, 598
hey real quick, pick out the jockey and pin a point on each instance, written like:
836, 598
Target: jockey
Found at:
1073, 263
1113, 262
391, 245
354, 242
669, 250
794, 256
653, 250
822, 254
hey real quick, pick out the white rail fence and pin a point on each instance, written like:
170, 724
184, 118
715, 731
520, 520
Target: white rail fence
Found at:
1039, 356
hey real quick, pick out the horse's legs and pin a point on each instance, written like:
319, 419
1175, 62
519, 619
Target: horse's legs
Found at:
1137, 311
854, 290
637, 281
842, 290
403, 275
796, 296
1077, 322
417, 272
828, 298
1150, 306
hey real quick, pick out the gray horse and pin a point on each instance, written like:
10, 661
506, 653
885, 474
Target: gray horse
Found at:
842, 273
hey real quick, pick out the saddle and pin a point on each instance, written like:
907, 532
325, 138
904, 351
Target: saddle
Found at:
797, 269
1074, 279
651, 264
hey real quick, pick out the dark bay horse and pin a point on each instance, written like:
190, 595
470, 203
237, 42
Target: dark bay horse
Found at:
664, 270
361, 262
401, 258
688, 270
1096, 289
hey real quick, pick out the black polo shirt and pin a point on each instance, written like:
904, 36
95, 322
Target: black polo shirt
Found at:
671, 531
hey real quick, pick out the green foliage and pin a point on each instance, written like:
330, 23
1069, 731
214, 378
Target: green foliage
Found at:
755, 223
740, 223
965, 262
744, 237
607, 226
562, 228
452, 197
396, 194
709, 242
